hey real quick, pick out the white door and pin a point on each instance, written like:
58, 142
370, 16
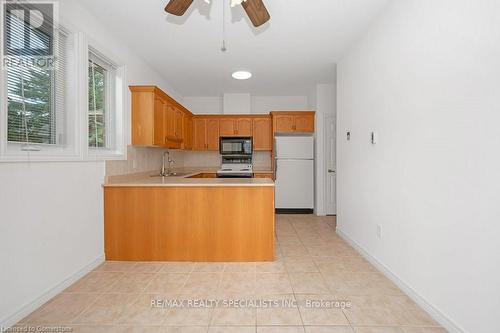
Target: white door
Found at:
294, 184
331, 179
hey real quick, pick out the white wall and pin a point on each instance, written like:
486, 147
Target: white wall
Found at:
426, 77
237, 103
259, 104
51, 213
203, 104
265, 104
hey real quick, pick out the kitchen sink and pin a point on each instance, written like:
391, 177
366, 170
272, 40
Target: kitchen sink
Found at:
174, 174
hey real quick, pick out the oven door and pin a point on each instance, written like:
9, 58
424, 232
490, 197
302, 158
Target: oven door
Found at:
235, 146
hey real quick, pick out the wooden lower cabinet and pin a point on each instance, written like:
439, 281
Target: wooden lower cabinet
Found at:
205, 175
209, 223
269, 175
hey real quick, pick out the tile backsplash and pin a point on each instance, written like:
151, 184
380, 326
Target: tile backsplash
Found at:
144, 159
212, 159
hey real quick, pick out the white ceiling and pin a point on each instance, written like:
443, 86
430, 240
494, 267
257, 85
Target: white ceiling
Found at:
287, 56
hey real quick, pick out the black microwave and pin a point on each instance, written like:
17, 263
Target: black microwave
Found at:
235, 146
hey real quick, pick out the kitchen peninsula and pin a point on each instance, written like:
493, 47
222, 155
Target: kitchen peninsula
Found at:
189, 219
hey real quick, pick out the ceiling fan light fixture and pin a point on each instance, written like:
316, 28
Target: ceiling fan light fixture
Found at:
242, 75
235, 3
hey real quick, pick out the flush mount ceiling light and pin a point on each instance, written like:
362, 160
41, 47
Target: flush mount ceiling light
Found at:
242, 75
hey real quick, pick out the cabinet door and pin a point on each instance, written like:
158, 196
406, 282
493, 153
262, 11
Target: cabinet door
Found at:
263, 175
284, 123
227, 127
178, 124
244, 127
169, 122
187, 128
262, 138
200, 134
212, 134
303, 123
159, 123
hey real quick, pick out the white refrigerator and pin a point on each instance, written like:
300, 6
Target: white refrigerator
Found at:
294, 167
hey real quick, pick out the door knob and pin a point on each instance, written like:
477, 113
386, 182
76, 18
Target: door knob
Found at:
331, 171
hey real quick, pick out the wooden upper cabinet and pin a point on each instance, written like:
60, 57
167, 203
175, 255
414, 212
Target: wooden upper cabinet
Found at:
178, 124
199, 134
293, 122
206, 134
170, 122
157, 119
227, 127
243, 126
187, 131
283, 123
304, 123
262, 136
212, 138
158, 123
235, 126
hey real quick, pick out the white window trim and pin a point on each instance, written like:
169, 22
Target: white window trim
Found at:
12, 152
79, 125
116, 107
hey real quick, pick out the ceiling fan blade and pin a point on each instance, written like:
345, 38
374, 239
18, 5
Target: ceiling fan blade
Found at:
256, 11
178, 7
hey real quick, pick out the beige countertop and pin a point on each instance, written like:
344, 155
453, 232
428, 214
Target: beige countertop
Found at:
145, 179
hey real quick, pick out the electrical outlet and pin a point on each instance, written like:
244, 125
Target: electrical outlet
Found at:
379, 231
134, 164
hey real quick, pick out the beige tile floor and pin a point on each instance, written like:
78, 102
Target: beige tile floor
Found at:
313, 263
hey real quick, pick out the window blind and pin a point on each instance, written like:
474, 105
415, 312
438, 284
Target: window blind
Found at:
35, 95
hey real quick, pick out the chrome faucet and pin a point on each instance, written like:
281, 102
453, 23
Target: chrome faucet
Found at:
164, 172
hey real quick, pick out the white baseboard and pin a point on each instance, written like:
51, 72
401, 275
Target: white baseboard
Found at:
435, 313
29, 307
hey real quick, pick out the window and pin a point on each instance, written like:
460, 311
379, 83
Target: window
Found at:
102, 76
98, 79
74, 111
35, 95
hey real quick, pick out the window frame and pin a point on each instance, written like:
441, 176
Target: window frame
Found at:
11, 151
76, 147
109, 94
116, 140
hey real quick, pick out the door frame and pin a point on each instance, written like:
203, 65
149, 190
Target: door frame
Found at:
327, 165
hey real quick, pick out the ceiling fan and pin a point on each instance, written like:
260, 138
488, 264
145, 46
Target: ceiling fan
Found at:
256, 10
